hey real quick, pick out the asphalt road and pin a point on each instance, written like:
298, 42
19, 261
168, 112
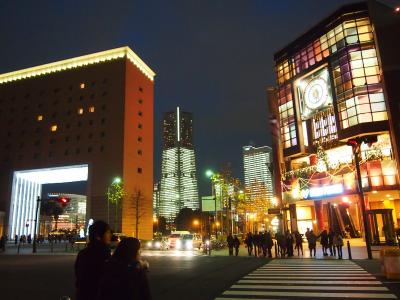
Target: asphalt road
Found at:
171, 277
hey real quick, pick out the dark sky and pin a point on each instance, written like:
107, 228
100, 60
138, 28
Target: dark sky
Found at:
212, 57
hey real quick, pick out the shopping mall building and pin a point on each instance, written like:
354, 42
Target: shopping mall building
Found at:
70, 127
338, 81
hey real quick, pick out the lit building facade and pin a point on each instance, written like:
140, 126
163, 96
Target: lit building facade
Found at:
257, 163
156, 199
336, 82
178, 184
88, 118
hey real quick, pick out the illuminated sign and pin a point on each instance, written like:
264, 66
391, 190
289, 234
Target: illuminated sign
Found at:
314, 93
322, 191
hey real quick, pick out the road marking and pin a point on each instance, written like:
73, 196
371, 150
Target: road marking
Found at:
308, 287
362, 276
311, 294
316, 282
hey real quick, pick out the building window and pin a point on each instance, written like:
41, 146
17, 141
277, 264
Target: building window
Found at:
80, 111
140, 101
140, 89
140, 113
140, 126
82, 85
91, 109
140, 139
139, 170
53, 128
287, 118
40, 118
139, 152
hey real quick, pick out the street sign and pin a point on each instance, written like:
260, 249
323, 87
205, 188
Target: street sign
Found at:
274, 211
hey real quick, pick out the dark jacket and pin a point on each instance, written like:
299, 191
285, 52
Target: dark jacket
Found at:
124, 281
229, 240
236, 242
89, 268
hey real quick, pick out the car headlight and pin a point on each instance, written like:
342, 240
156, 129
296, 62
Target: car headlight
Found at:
178, 244
149, 244
189, 245
158, 245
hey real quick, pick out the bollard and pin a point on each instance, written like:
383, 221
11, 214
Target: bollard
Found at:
276, 251
349, 249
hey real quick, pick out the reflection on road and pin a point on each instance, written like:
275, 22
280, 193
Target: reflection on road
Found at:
174, 253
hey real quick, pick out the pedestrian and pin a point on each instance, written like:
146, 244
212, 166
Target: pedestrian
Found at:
307, 234
29, 238
281, 240
236, 245
90, 262
125, 275
331, 248
269, 243
3, 241
256, 242
260, 238
289, 243
324, 242
16, 239
312, 243
249, 243
298, 237
229, 241
338, 244
263, 242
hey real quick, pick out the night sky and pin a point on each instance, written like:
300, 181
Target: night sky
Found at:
213, 58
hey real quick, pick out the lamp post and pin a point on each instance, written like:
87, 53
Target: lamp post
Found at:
116, 180
210, 174
39, 201
356, 147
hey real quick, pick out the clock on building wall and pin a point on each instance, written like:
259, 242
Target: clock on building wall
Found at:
314, 93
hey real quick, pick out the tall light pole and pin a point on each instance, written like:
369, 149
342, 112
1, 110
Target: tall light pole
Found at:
356, 146
39, 200
210, 174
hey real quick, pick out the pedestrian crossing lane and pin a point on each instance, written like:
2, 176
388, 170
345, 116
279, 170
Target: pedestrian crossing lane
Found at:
309, 279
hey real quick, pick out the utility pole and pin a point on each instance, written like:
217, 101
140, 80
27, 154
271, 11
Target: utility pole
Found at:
356, 146
34, 248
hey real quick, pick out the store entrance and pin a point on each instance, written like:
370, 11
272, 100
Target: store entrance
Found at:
382, 226
341, 220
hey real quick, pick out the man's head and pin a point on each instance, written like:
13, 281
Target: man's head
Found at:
100, 231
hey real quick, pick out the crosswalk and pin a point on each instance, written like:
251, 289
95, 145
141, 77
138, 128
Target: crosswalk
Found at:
308, 279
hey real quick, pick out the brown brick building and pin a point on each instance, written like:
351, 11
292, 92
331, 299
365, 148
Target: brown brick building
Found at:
95, 111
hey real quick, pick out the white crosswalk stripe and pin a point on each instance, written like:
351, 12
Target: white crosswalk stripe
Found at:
308, 279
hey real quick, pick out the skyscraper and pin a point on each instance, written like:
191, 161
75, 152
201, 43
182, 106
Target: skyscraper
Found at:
178, 186
257, 174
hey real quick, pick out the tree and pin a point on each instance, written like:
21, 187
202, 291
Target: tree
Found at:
115, 194
52, 208
184, 219
138, 198
160, 225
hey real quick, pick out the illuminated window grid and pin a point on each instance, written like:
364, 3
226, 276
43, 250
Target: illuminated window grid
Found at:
347, 33
358, 87
287, 119
324, 127
284, 71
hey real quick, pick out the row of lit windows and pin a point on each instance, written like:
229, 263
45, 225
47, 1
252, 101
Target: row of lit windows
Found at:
347, 33
287, 119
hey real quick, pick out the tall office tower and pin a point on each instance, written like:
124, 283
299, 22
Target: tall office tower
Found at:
156, 199
87, 118
178, 186
257, 174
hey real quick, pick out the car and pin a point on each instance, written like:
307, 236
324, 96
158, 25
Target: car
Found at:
158, 243
189, 242
174, 239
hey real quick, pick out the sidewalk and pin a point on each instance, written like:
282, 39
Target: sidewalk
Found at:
357, 246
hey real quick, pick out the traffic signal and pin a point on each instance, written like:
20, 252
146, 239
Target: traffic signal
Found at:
352, 142
368, 139
64, 201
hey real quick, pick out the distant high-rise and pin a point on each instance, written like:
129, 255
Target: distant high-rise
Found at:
257, 174
178, 186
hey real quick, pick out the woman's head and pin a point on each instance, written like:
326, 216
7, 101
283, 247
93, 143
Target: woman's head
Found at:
127, 250
100, 231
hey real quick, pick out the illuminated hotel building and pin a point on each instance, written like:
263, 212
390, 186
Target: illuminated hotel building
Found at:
178, 185
338, 81
257, 175
85, 119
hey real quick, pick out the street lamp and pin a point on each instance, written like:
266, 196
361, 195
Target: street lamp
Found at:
116, 180
39, 201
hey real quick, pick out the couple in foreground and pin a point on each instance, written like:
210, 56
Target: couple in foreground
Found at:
101, 276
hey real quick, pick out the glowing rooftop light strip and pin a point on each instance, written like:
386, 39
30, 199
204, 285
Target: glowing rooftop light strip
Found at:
178, 129
77, 62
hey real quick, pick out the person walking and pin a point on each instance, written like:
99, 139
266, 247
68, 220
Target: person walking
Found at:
90, 262
331, 248
281, 240
229, 241
298, 237
125, 275
312, 243
269, 243
338, 244
324, 242
256, 241
289, 243
249, 243
236, 245
3, 241
16, 239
